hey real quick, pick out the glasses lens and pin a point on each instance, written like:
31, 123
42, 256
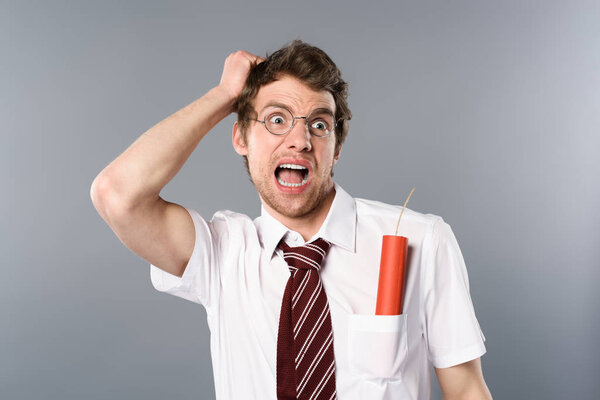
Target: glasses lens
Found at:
278, 120
321, 122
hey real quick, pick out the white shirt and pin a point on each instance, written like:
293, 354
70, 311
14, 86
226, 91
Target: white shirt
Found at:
237, 273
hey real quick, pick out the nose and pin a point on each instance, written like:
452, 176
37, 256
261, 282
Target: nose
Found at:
299, 137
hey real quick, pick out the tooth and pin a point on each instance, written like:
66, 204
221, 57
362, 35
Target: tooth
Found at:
292, 166
286, 184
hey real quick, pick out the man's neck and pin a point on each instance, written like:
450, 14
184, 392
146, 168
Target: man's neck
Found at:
309, 224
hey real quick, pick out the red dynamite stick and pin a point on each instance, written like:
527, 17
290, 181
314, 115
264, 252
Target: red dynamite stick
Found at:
392, 271
392, 275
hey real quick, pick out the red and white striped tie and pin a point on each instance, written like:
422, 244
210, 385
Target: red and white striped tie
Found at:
305, 359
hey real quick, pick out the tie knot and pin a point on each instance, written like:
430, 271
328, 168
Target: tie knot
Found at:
307, 256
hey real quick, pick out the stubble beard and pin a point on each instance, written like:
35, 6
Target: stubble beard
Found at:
292, 205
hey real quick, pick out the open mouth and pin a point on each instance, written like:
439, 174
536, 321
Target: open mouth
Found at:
291, 175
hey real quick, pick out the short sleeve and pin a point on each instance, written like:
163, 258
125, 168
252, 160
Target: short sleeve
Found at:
451, 328
200, 281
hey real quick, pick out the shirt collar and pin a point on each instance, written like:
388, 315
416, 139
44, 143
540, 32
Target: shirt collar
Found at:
339, 227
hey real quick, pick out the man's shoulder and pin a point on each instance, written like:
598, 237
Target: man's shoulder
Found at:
232, 215
377, 209
223, 220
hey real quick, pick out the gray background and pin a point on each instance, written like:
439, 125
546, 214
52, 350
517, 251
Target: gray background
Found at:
491, 109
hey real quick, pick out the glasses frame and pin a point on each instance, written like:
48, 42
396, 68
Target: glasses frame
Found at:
335, 122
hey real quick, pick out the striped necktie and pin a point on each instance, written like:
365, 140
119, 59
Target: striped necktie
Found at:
305, 359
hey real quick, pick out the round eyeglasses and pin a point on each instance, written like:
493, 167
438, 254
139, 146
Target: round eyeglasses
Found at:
279, 121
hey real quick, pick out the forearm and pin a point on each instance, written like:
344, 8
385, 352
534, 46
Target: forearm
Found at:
141, 171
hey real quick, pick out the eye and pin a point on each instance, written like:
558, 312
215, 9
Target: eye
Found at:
319, 125
277, 119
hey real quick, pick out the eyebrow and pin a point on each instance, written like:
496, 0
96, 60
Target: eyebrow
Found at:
278, 104
274, 104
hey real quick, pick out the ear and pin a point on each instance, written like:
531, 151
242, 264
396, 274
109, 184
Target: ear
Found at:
336, 156
238, 141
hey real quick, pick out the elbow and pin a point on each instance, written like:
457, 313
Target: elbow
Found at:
97, 191
106, 200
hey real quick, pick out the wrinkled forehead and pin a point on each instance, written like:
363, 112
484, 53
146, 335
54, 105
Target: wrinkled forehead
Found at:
297, 96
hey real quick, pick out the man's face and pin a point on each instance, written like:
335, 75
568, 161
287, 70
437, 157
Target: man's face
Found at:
300, 187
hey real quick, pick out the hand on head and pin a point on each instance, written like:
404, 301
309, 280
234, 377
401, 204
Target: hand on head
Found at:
235, 71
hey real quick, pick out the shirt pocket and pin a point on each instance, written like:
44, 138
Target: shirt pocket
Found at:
377, 345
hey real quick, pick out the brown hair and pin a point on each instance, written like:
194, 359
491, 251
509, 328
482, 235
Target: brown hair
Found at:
310, 65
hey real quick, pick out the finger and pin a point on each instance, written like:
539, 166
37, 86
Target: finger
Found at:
252, 57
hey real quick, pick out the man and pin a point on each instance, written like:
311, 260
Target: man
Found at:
290, 296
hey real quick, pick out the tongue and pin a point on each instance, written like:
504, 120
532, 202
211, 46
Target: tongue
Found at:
291, 175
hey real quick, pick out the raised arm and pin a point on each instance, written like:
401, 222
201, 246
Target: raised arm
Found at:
126, 192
